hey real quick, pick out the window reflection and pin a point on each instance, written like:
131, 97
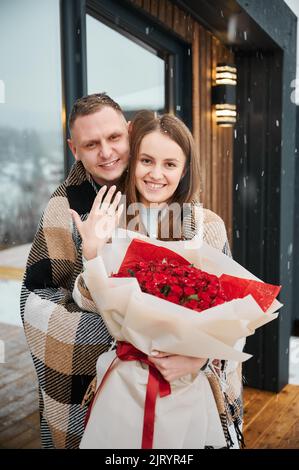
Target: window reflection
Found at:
132, 75
31, 151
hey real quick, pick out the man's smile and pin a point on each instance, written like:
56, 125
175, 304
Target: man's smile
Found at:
109, 164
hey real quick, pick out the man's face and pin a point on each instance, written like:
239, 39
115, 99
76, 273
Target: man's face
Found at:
101, 142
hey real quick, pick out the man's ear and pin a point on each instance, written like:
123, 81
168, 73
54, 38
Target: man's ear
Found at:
129, 127
72, 148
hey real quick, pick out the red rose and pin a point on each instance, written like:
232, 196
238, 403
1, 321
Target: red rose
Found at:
189, 291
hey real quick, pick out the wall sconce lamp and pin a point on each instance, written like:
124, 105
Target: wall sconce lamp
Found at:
224, 95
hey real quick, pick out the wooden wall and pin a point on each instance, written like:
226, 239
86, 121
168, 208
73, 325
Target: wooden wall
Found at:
215, 144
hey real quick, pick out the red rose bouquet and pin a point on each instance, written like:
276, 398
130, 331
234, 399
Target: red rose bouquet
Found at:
183, 285
174, 279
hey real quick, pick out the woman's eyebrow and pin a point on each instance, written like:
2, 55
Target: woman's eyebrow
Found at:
146, 155
165, 159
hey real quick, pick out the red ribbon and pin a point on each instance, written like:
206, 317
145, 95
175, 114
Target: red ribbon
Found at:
156, 384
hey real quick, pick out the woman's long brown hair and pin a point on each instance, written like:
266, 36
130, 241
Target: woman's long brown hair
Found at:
187, 191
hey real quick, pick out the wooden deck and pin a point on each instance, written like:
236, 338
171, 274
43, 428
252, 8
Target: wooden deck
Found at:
271, 420
19, 417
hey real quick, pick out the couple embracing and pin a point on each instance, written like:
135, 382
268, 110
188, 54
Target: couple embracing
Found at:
153, 162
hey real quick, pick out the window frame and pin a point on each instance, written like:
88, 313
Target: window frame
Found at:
139, 27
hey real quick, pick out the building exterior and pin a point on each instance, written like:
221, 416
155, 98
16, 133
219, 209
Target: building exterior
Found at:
163, 54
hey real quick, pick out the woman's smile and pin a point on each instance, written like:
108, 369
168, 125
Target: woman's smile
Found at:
151, 186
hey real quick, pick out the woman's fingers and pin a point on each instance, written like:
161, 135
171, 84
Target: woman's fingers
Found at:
119, 213
98, 200
77, 220
107, 200
101, 206
116, 201
174, 366
161, 354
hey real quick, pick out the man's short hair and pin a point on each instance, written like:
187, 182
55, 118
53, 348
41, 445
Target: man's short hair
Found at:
91, 104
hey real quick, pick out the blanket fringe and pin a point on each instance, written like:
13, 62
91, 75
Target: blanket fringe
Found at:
240, 436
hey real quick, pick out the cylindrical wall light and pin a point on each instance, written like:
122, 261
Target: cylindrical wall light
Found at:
224, 95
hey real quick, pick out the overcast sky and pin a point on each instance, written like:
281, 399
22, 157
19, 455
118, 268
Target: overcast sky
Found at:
30, 63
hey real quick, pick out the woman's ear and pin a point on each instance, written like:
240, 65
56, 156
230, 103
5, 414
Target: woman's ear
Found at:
184, 173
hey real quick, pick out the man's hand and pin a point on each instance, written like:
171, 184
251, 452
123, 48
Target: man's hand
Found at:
174, 367
102, 220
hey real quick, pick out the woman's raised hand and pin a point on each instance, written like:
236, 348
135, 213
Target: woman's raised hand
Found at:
101, 222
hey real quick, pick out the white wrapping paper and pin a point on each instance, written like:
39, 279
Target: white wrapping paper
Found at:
187, 418
149, 322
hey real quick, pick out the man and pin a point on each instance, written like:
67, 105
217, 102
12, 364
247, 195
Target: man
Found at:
65, 341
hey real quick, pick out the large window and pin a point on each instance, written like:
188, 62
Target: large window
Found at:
31, 150
133, 75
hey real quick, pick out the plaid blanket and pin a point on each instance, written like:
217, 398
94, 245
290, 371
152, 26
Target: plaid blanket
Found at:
65, 341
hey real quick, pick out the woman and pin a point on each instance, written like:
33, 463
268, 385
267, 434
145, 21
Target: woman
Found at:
162, 184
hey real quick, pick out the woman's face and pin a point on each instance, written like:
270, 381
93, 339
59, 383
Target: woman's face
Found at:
160, 167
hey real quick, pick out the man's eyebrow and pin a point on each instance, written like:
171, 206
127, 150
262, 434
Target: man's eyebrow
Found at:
97, 141
90, 141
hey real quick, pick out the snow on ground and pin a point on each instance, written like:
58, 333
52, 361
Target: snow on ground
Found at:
15, 257
294, 361
10, 302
